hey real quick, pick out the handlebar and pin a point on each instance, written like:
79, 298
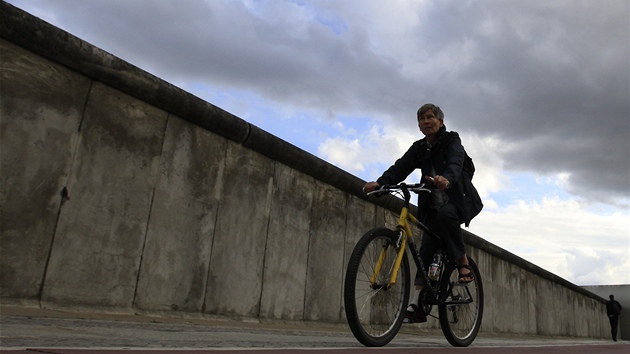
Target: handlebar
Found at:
405, 188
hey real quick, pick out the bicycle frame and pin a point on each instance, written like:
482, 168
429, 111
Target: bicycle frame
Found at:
405, 240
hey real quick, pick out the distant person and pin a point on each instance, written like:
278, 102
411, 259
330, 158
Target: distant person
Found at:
453, 201
613, 309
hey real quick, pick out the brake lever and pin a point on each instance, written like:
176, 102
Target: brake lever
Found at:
378, 192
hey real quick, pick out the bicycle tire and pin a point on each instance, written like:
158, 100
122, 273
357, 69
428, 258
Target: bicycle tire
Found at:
375, 312
460, 306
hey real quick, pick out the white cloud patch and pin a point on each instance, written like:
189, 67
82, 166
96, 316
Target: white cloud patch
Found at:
366, 153
563, 237
343, 153
485, 152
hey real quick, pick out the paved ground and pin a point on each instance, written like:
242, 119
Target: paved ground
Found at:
28, 330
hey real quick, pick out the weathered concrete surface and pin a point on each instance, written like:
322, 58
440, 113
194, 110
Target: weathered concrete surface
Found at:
286, 251
41, 106
325, 262
238, 258
177, 207
178, 245
95, 257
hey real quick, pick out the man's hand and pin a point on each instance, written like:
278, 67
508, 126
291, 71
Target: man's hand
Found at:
441, 182
370, 186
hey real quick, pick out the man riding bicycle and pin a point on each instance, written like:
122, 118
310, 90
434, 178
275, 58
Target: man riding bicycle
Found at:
453, 200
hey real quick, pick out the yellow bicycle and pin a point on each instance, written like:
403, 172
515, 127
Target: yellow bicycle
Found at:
378, 283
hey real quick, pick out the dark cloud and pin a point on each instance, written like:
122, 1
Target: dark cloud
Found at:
550, 78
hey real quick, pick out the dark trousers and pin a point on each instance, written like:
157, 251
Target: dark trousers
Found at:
614, 321
445, 223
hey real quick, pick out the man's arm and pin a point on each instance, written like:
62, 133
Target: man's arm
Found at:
403, 167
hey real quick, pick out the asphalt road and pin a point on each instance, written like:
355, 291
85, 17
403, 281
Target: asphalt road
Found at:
24, 330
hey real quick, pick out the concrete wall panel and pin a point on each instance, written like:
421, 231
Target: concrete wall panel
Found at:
176, 257
521, 303
324, 277
484, 262
516, 304
497, 297
580, 328
98, 244
40, 106
286, 254
545, 308
531, 294
360, 218
236, 265
566, 306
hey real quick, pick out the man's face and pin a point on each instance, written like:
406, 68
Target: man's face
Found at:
429, 124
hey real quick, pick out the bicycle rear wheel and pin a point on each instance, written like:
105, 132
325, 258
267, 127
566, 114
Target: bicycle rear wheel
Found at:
460, 306
375, 311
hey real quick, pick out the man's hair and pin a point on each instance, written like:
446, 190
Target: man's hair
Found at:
435, 109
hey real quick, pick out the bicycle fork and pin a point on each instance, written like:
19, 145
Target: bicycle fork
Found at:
401, 244
403, 233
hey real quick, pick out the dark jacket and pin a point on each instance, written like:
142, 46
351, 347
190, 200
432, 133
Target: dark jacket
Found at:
447, 156
613, 308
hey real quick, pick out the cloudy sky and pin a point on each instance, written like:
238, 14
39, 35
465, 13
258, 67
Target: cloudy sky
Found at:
539, 91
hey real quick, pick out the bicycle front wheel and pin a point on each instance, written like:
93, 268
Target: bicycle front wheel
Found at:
375, 310
460, 306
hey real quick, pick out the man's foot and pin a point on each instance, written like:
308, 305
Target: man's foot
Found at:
414, 315
466, 274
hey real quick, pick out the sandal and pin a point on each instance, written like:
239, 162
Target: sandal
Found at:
416, 315
465, 278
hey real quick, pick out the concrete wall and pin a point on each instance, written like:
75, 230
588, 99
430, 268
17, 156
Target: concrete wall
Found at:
121, 192
622, 294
